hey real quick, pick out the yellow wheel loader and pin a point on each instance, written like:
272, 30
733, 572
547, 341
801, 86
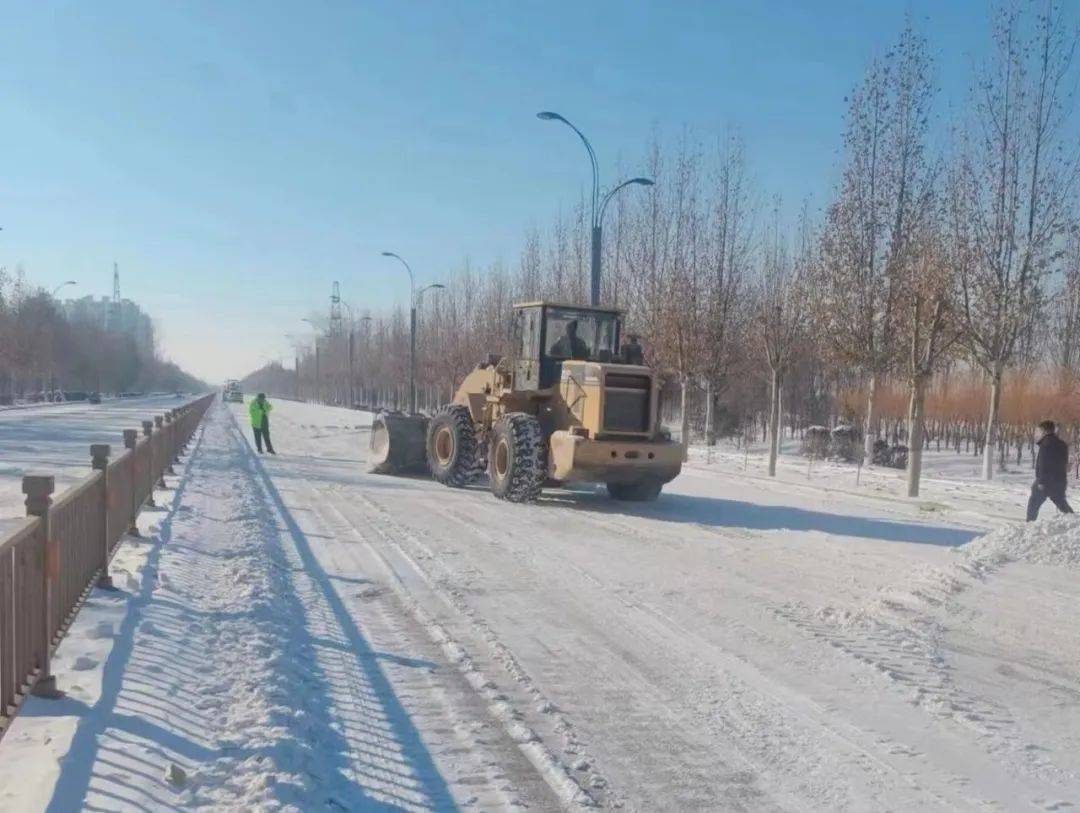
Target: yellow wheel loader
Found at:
569, 405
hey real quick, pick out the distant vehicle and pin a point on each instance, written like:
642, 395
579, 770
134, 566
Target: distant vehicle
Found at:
94, 398
233, 393
75, 395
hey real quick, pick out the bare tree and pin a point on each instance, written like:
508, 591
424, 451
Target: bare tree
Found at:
729, 252
1017, 174
781, 311
884, 197
930, 332
1065, 338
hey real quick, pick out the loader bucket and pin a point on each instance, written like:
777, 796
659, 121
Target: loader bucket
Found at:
398, 443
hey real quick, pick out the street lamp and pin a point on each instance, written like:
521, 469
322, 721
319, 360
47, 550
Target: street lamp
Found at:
352, 389
435, 286
598, 205
296, 364
420, 294
57, 289
318, 387
412, 327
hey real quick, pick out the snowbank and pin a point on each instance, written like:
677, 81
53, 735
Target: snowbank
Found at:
1053, 541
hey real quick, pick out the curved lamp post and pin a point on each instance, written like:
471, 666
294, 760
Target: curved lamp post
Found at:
413, 299
598, 205
62, 285
318, 388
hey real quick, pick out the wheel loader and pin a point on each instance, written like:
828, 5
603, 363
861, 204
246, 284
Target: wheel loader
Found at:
568, 405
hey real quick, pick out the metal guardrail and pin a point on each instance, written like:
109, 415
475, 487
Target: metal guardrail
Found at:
52, 560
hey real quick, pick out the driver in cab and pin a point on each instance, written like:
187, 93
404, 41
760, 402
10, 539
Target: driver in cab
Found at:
570, 345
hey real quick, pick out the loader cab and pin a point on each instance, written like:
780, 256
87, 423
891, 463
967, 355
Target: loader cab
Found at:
546, 334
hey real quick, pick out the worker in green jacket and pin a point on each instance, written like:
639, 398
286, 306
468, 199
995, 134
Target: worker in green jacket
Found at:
260, 422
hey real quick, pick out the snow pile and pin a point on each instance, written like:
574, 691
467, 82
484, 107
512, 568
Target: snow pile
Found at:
1054, 541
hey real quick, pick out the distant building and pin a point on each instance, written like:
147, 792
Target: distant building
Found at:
124, 317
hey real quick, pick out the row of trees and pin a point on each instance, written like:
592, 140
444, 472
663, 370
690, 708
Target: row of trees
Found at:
42, 350
948, 246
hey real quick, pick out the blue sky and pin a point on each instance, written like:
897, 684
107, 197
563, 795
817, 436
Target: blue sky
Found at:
237, 157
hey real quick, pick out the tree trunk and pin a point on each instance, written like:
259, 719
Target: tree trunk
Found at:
868, 426
710, 429
991, 424
774, 422
684, 386
916, 418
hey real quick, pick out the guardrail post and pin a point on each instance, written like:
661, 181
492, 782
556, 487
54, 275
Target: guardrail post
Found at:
178, 434
170, 436
148, 433
131, 440
99, 461
159, 425
38, 489
182, 445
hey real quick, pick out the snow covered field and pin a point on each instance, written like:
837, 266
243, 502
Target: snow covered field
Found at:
742, 644
55, 439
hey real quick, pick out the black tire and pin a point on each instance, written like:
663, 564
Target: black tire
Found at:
453, 453
397, 443
517, 458
644, 491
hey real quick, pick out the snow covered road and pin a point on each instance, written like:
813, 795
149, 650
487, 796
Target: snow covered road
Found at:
306, 635
233, 672
736, 645
55, 439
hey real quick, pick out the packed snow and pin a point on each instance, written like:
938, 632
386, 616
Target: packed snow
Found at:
1054, 541
810, 642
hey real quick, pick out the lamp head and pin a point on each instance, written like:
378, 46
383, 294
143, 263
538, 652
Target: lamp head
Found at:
547, 115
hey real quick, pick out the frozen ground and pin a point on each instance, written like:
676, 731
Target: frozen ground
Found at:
55, 439
803, 643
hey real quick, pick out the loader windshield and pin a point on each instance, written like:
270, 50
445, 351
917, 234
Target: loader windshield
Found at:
580, 334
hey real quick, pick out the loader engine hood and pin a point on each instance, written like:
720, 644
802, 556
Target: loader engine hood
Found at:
609, 400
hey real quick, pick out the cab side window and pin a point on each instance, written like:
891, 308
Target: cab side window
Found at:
530, 333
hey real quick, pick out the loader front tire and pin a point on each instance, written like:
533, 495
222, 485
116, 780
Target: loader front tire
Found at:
453, 453
643, 491
517, 460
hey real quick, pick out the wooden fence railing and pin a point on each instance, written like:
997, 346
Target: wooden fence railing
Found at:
52, 560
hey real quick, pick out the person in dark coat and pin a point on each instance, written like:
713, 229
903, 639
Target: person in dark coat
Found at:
1051, 472
570, 345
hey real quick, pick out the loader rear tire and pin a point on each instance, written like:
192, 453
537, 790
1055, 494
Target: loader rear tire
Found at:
453, 453
644, 491
517, 460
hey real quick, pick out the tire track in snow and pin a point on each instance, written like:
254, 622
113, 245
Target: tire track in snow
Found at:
555, 771
762, 704
899, 637
796, 726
